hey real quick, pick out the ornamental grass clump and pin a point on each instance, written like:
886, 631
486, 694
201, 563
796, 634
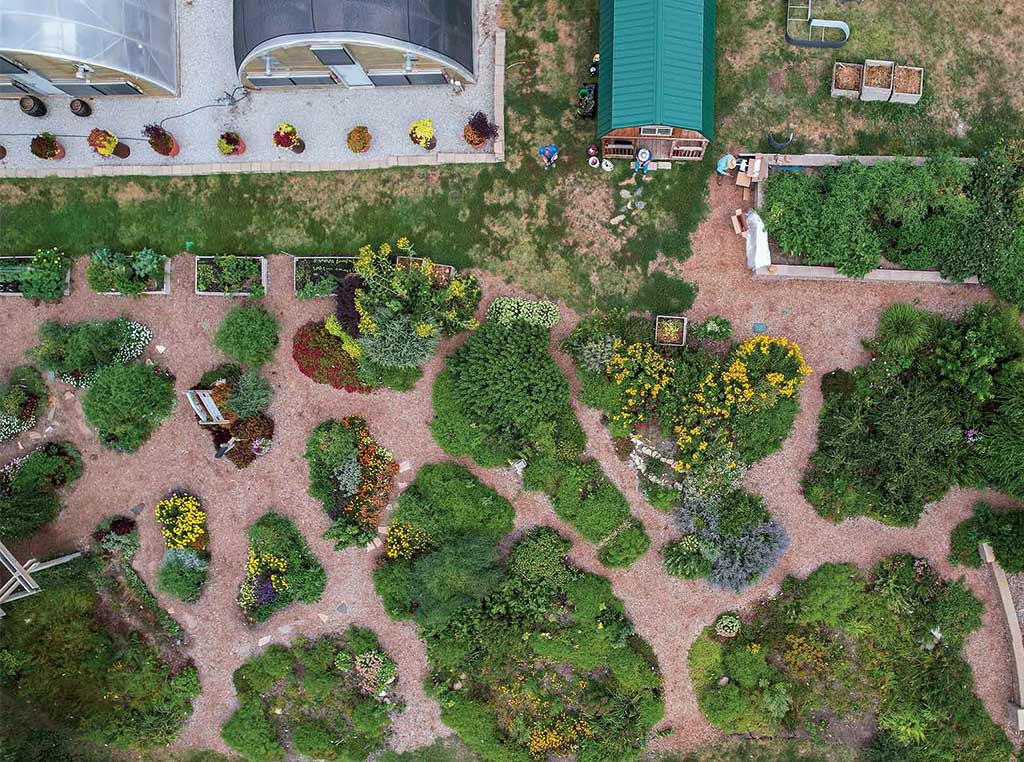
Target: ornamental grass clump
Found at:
184, 566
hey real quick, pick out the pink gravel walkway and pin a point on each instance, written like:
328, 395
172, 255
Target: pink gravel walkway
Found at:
829, 320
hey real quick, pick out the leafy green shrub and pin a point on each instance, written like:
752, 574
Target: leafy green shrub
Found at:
75, 352
1003, 530
491, 631
590, 502
325, 697
45, 278
22, 400
29, 485
127, 403
128, 274
250, 394
248, 335
934, 408
182, 574
102, 685
835, 645
626, 547
506, 310
281, 569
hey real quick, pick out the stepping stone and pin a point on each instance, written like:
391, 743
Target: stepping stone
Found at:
625, 194
376, 542
284, 629
34, 435
342, 608
263, 641
69, 395
160, 350
404, 466
616, 219
149, 362
136, 510
760, 328
383, 529
323, 618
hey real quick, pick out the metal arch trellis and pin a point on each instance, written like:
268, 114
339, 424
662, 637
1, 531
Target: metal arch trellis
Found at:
21, 584
800, 18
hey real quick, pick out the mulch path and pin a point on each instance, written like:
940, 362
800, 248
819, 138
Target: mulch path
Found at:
829, 320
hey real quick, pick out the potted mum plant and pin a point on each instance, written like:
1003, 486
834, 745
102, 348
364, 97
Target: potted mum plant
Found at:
161, 141
358, 139
231, 144
479, 130
106, 144
286, 136
46, 146
421, 132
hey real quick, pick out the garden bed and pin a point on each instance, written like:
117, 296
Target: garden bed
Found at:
846, 79
232, 274
876, 83
908, 85
670, 330
314, 270
157, 287
13, 288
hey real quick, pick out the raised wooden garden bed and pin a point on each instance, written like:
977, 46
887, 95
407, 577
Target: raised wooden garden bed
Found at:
876, 84
846, 79
908, 85
670, 330
161, 287
210, 274
314, 270
13, 288
440, 276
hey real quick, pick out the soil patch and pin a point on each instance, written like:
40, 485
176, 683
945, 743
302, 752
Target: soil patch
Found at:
848, 76
907, 80
878, 76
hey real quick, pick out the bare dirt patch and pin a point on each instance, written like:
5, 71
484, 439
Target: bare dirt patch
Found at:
847, 76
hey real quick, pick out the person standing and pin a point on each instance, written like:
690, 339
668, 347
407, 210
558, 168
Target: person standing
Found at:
549, 154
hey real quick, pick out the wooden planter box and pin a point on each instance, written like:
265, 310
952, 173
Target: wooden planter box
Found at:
18, 260
908, 74
165, 290
664, 319
263, 278
855, 72
876, 92
296, 260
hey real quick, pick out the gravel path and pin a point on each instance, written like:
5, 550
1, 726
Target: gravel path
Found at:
829, 320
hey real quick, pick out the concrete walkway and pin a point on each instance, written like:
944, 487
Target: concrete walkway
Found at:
323, 116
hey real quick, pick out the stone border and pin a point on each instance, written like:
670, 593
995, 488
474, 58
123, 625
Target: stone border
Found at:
1016, 711
428, 159
195, 271
67, 279
165, 290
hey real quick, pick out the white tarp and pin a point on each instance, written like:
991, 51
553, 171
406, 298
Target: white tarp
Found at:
758, 254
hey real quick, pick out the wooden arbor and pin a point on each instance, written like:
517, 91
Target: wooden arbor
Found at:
20, 583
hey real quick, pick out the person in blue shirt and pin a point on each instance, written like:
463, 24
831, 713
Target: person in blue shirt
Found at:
550, 155
726, 163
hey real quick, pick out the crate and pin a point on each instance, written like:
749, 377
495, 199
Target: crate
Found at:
839, 92
870, 92
908, 98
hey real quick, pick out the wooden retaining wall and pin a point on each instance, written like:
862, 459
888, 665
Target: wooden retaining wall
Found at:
1016, 710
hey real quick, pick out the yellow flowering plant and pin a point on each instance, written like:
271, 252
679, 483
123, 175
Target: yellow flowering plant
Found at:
406, 541
643, 374
182, 521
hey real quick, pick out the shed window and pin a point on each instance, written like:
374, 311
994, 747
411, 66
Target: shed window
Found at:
656, 132
333, 56
97, 88
9, 67
12, 88
289, 80
428, 79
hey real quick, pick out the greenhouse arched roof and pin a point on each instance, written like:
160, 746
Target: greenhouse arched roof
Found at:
441, 28
137, 37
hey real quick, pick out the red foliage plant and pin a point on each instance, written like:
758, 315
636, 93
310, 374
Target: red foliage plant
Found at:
323, 358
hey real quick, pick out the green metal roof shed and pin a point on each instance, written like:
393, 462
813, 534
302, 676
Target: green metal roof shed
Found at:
657, 65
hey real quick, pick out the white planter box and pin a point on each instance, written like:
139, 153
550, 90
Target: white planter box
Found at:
839, 92
908, 98
165, 290
16, 260
873, 93
263, 277
296, 260
667, 318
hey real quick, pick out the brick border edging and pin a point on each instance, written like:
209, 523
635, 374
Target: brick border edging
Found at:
1016, 711
432, 158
